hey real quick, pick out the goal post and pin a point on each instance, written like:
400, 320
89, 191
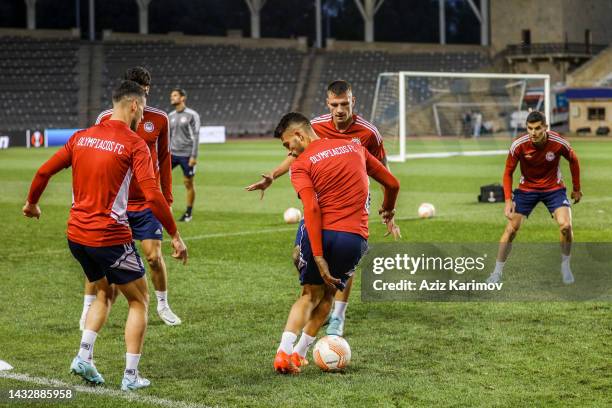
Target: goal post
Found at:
411, 104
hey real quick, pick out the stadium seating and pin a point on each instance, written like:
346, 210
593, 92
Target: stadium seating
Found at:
38, 83
245, 89
362, 69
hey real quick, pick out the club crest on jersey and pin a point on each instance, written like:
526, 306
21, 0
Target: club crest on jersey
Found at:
550, 156
184, 119
148, 127
356, 140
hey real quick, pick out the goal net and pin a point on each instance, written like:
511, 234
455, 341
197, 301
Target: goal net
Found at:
442, 104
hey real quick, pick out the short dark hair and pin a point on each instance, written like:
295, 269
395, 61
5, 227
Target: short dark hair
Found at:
339, 87
126, 89
181, 91
290, 119
536, 116
140, 75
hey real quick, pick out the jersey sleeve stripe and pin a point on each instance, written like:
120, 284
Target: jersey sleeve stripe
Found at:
371, 127
321, 118
559, 140
517, 143
103, 114
155, 110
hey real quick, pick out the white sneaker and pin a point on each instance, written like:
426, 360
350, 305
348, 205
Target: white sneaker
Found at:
566, 274
169, 317
495, 277
134, 382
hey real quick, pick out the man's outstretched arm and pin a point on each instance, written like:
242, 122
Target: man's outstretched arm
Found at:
268, 178
59, 161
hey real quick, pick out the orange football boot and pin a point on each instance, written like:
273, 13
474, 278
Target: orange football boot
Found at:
284, 364
298, 360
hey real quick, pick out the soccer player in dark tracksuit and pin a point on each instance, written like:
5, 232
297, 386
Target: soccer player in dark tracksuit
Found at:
184, 143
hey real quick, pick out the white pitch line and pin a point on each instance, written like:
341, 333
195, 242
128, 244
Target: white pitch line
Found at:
264, 231
129, 396
239, 233
193, 238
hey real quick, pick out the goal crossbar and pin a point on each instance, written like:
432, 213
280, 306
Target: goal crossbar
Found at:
401, 96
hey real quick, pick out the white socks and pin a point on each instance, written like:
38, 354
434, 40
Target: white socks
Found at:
304, 344
339, 309
565, 259
87, 345
499, 267
287, 341
162, 299
87, 301
131, 364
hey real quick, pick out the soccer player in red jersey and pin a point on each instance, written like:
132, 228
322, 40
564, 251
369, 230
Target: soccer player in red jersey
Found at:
340, 123
153, 128
331, 178
103, 159
539, 153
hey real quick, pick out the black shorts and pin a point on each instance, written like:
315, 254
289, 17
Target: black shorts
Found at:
526, 200
120, 264
144, 225
341, 250
188, 171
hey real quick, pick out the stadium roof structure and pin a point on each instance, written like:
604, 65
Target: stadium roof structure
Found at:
589, 93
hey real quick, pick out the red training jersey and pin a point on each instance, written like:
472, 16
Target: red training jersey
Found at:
103, 159
153, 128
540, 170
360, 131
338, 171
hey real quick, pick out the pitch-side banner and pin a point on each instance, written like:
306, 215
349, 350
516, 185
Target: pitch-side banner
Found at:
212, 134
12, 138
462, 272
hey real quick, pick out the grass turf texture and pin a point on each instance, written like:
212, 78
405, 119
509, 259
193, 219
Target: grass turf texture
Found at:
236, 291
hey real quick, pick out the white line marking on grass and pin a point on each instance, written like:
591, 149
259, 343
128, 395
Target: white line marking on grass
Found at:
129, 396
235, 234
192, 238
443, 155
272, 230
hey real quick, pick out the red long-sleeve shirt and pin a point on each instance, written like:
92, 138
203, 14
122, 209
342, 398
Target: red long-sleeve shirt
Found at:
153, 128
331, 178
103, 159
360, 131
540, 169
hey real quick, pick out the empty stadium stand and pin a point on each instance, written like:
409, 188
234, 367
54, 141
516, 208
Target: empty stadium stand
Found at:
38, 83
244, 89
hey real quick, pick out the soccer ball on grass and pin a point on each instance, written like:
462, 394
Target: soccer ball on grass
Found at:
332, 353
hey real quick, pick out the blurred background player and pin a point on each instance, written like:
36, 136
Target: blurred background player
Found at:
539, 153
340, 123
153, 128
99, 235
184, 143
331, 178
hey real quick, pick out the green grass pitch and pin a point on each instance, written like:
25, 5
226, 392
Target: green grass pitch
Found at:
236, 290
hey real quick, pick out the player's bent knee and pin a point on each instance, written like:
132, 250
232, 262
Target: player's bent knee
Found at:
512, 229
565, 228
155, 261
